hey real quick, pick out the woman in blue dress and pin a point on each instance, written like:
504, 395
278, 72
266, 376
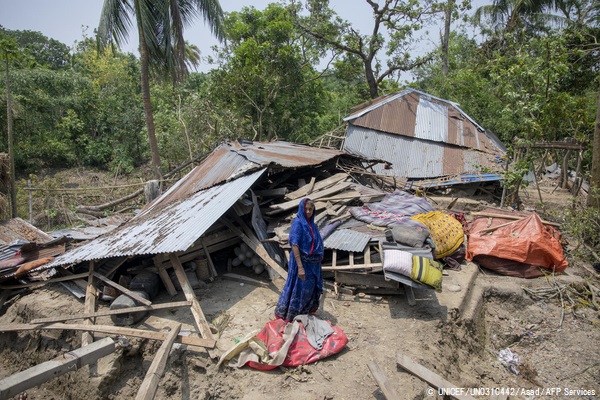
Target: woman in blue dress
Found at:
304, 283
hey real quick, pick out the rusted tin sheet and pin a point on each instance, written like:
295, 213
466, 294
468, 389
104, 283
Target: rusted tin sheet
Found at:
233, 159
173, 228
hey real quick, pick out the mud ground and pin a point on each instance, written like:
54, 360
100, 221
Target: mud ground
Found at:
458, 339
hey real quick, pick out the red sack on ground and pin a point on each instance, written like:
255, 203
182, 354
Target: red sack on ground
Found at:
300, 351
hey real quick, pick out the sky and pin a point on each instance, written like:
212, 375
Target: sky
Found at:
69, 21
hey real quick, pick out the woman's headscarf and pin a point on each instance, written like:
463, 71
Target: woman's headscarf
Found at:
305, 233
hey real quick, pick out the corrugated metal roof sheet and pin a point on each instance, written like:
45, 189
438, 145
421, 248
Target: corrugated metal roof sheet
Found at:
17, 228
233, 159
417, 114
416, 158
173, 228
347, 240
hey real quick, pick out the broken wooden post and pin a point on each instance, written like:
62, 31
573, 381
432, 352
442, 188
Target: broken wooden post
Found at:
382, 381
429, 376
191, 296
34, 376
164, 275
124, 290
90, 305
211, 265
150, 384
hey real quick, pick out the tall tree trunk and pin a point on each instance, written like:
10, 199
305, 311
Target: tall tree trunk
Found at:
371, 81
594, 194
446, 37
144, 61
11, 150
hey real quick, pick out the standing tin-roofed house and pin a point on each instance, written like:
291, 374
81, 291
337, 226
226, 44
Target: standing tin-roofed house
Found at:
424, 138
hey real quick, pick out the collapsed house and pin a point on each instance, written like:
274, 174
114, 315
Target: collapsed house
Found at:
233, 213
428, 140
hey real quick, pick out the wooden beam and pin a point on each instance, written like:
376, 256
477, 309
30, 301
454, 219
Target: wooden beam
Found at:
123, 289
257, 247
164, 275
213, 270
492, 215
349, 268
153, 307
90, 305
111, 330
42, 283
199, 317
370, 280
382, 381
157, 368
427, 375
322, 184
289, 205
13, 385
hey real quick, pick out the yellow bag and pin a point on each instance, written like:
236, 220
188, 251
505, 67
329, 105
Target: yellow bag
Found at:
427, 271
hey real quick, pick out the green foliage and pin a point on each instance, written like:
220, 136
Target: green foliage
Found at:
584, 225
267, 77
42, 51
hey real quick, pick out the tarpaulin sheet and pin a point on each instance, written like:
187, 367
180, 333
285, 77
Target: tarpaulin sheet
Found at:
527, 242
300, 351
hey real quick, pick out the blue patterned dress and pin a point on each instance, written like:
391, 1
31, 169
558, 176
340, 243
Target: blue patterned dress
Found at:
302, 296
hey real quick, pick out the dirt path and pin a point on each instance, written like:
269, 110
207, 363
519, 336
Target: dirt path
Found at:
463, 351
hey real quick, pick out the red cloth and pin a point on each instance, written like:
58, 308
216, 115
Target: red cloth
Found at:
300, 351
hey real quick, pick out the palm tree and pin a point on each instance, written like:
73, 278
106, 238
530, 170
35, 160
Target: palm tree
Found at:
160, 25
508, 15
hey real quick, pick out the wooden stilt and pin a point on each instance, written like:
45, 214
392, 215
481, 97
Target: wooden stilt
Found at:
164, 275
90, 305
213, 270
199, 317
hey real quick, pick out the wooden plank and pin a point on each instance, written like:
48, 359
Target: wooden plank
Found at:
348, 268
382, 381
322, 184
427, 375
123, 289
354, 279
157, 368
257, 247
111, 330
153, 307
197, 312
213, 270
245, 279
42, 283
90, 305
35, 376
492, 215
314, 196
164, 275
